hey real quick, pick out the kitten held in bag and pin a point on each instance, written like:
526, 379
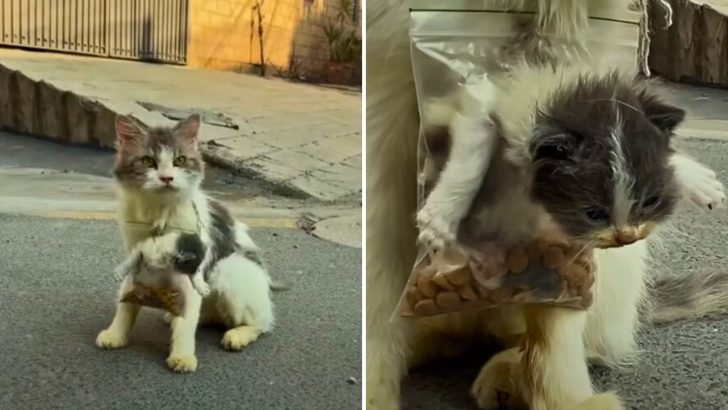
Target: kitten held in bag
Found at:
159, 171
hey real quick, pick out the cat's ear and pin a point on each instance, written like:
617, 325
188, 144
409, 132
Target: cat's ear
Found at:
189, 127
127, 129
552, 144
664, 116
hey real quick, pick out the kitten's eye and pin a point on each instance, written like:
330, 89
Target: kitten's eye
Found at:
179, 161
597, 214
650, 202
149, 162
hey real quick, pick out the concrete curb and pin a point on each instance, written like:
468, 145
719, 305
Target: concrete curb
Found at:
38, 108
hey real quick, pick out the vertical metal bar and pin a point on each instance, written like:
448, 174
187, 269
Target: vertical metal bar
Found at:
135, 22
35, 21
12, 21
175, 33
43, 39
82, 20
167, 16
125, 22
20, 22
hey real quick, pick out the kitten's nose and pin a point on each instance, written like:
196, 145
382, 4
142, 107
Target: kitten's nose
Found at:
166, 180
626, 236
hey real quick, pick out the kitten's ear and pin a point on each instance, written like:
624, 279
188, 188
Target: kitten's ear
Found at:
664, 116
127, 129
553, 144
188, 128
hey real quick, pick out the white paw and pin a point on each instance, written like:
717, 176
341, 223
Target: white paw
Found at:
110, 339
240, 337
495, 386
699, 184
436, 232
182, 364
201, 287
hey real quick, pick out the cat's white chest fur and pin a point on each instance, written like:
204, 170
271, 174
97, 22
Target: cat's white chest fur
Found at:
141, 215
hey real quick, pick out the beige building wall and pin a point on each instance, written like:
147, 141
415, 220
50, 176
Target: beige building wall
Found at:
223, 34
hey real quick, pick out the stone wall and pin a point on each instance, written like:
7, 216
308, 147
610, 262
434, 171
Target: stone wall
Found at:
223, 35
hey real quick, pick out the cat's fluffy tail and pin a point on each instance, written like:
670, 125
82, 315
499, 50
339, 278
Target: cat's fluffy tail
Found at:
684, 297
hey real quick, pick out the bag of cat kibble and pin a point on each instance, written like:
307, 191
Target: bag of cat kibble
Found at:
450, 50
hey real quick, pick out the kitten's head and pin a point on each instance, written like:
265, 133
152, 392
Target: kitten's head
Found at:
160, 160
189, 255
601, 160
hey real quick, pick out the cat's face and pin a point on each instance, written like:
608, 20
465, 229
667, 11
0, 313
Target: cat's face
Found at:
158, 160
600, 161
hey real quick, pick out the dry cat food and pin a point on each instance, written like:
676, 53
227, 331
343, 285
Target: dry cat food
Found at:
168, 299
549, 272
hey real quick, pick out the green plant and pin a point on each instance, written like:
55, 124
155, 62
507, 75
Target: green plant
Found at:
343, 41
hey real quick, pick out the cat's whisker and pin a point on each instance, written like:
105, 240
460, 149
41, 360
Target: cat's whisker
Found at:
615, 100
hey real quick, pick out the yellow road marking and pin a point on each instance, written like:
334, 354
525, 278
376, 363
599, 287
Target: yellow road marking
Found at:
285, 223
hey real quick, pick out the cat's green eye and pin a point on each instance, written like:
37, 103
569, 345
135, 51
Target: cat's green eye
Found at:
179, 161
149, 162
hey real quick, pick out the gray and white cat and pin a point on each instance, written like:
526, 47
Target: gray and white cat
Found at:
159, 171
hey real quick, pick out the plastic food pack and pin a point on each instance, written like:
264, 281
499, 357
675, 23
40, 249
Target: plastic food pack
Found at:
166, 298
548, 271
448, 48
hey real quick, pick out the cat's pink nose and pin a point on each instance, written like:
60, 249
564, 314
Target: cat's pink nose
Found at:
166, 180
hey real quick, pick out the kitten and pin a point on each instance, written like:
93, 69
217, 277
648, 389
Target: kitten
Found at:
557, 377
159, 171
154, 261
564, 150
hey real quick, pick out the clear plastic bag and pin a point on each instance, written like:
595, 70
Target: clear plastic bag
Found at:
448, 48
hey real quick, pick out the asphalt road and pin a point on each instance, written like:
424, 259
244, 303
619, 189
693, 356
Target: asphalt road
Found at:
57, 291
682, 366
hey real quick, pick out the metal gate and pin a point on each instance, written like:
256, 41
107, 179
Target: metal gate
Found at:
149, 30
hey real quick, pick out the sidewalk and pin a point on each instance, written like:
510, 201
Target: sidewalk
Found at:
301, 139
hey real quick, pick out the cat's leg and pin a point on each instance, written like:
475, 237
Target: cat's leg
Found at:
549, 371
243, 301
613, 319
182, 357
473, 143
117, 334
698, 183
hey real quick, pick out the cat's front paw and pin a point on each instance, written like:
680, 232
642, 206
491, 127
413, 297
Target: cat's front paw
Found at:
495, 387
111, 339
699, 184
239, 338
436, 231
182, 363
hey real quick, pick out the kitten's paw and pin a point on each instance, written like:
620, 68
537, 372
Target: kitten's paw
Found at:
201, 287
495, 387
111, 339
182, 364
436, 232
699, 184
239, 337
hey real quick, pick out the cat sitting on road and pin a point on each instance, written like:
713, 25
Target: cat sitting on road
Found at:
159, 171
